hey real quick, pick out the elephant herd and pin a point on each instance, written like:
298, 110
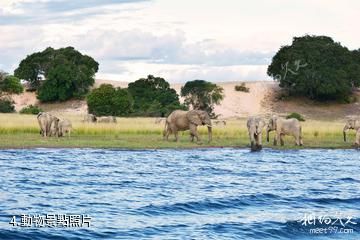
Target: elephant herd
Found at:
180, 120
53, 126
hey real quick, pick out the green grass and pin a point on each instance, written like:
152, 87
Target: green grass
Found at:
22, 131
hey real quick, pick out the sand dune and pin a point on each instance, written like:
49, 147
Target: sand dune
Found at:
260, 100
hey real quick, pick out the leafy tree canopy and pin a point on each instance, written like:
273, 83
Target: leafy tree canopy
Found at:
316, 67
202, 95
11, 84
67, 73
154, 97
107, 100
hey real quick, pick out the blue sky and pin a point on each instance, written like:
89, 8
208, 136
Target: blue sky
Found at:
181, 40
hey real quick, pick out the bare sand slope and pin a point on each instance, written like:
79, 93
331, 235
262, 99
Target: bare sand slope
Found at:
260, 100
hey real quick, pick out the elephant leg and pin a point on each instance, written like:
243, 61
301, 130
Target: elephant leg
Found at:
276, 139
191, 137
176, 136
193, 132
357, 138
282, 139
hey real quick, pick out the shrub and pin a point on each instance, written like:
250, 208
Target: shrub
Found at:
66, 73
316, 67
242, 88
107, 100
297, 116
154, 97
6, 105
31, 109
11, 84
202, 95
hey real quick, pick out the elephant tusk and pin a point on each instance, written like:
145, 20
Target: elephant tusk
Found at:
208, 125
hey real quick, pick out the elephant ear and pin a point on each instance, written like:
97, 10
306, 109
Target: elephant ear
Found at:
194, 117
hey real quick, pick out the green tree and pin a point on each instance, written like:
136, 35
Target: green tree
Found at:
67, 73
154, 97
11, 84
316, 67
6, 104
107, 100
202, 95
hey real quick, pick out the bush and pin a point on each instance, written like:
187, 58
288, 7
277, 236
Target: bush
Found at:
66, 73
202, 95
107, 100
154, 97
297, 116
242, 88
31, 110
316, 67
11, 84
6, 105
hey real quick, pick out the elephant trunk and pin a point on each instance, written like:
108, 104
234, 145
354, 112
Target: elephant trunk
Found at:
210, 132
344, 132
267, 135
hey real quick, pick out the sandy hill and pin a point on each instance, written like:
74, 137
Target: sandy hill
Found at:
262, 99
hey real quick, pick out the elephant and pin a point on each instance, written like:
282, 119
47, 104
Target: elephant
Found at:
283, 127
65, 126
352, 124
90, 118
47, 122
107, 119
180, 120
159, 120
255, 125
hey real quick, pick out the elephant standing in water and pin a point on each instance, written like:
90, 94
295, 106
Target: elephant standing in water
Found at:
47, 122
353, 124
255, 126
180, 120
283, 127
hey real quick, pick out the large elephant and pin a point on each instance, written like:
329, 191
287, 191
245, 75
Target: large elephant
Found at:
283, 127
255, 126
180, 120
107, 119
65, 126
90, 118
352, 124
47, 122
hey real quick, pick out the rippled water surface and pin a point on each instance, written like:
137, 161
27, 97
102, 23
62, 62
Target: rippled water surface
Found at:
180, 194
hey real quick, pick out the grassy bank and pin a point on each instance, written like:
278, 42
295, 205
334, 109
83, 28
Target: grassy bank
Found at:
22, 131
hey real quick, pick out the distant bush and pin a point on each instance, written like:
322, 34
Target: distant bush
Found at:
11, 84
297, 116
6, 105
107, 100
31, 109
242, 88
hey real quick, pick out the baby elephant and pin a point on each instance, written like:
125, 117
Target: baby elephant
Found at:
65, 126
255, 126
283, 127
352, 124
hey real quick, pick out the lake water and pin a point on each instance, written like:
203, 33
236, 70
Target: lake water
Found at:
181, 194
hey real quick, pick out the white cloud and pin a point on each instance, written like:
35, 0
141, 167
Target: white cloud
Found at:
182, 40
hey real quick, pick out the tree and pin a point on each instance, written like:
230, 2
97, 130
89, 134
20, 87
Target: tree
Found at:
202, 95
107, 100
154, 97
316, 67
11, 85
67, 73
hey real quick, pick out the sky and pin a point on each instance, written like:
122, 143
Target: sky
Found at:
180, 40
